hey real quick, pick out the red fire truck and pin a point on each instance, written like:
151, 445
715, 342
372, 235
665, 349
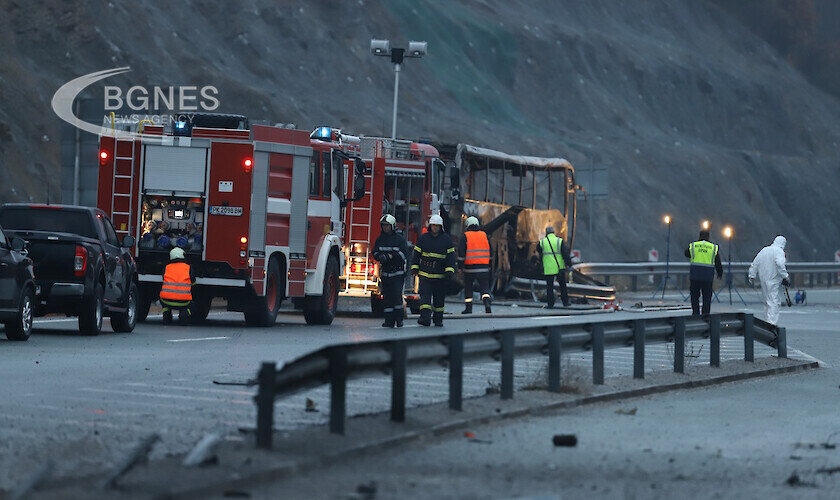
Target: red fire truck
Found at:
404, 177
259, 210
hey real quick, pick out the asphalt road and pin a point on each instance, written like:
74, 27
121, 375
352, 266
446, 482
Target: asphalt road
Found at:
776, 437
82, 402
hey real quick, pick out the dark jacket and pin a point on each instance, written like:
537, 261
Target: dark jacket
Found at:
434, 256
391, 251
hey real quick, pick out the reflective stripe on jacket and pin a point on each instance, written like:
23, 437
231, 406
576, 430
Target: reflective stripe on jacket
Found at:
552, 259
434, 256
177, 284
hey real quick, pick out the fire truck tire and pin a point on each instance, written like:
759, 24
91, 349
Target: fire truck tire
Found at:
124, 322
90, 316
200, 308
265, 309
320, 310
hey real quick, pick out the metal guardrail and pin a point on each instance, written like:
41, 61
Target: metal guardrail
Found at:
607, 269
336, 364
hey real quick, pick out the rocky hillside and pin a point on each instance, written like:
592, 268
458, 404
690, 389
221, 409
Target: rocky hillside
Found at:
684, 107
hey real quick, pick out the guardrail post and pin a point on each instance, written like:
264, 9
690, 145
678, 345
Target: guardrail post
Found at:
749, 339
598, 353
781, 342
555, 349
265, 405
399, 355
456, 372
679, 344
507, 365
714, 340
338, 390
639, 348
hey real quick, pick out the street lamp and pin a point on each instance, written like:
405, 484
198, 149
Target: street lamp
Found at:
383, 48
667, 220
728, 233
706, 225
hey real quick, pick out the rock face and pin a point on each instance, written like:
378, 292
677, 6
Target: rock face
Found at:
672, 106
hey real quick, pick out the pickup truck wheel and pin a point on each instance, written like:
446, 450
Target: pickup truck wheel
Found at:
90, 318
144, 303
21, 327
320, 310
125, 322
264, 310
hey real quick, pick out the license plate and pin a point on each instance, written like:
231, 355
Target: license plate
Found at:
219, 210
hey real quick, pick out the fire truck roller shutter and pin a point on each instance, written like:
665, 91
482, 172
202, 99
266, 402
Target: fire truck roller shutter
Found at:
167, 166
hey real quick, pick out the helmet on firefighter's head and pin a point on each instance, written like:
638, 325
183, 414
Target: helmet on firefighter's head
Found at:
436, 219
472, 222
390, 220
176, 253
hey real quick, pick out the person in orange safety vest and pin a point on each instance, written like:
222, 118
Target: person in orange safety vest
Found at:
176, 292
474, 258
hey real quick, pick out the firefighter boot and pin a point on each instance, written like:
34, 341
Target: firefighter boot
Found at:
486, 301
438, 318
389, 320
425, 319
167, 316
467, 308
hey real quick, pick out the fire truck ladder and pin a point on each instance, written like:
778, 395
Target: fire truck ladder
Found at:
122, 187
360, 224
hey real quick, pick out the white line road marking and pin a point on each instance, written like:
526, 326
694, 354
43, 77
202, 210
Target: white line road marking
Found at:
199, 339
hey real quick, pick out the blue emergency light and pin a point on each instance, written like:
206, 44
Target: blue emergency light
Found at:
322, 134
182, 129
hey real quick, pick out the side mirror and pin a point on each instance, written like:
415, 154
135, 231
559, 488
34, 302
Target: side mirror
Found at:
455, 181
128, 241
359, 179
18, 244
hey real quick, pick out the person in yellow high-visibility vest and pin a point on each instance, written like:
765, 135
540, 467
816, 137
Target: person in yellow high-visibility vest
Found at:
176, 291
555, 261
705, 262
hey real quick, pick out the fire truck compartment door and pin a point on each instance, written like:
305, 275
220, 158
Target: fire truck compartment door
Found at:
168, 167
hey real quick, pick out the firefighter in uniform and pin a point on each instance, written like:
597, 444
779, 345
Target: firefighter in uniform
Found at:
391, 250
705, 261
176, 292
434, 262
474, 258
555, 261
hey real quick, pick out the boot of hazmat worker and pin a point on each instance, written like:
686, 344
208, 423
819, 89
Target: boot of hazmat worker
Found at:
176, 291
555, 260
768, 267
474, 259
390, 249
434, 262
704, 258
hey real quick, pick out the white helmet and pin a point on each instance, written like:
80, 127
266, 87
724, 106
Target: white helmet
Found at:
176, 253
436, 219
472, 221
390, 220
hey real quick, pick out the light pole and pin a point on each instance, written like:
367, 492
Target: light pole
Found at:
728, 233
383, 48
667, 219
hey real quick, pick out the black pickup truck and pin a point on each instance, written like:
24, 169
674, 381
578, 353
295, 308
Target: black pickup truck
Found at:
81, 268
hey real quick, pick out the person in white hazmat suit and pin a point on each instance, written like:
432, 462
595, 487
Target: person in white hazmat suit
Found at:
769, 267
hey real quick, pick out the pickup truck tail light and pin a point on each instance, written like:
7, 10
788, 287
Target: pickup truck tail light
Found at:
80, 262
